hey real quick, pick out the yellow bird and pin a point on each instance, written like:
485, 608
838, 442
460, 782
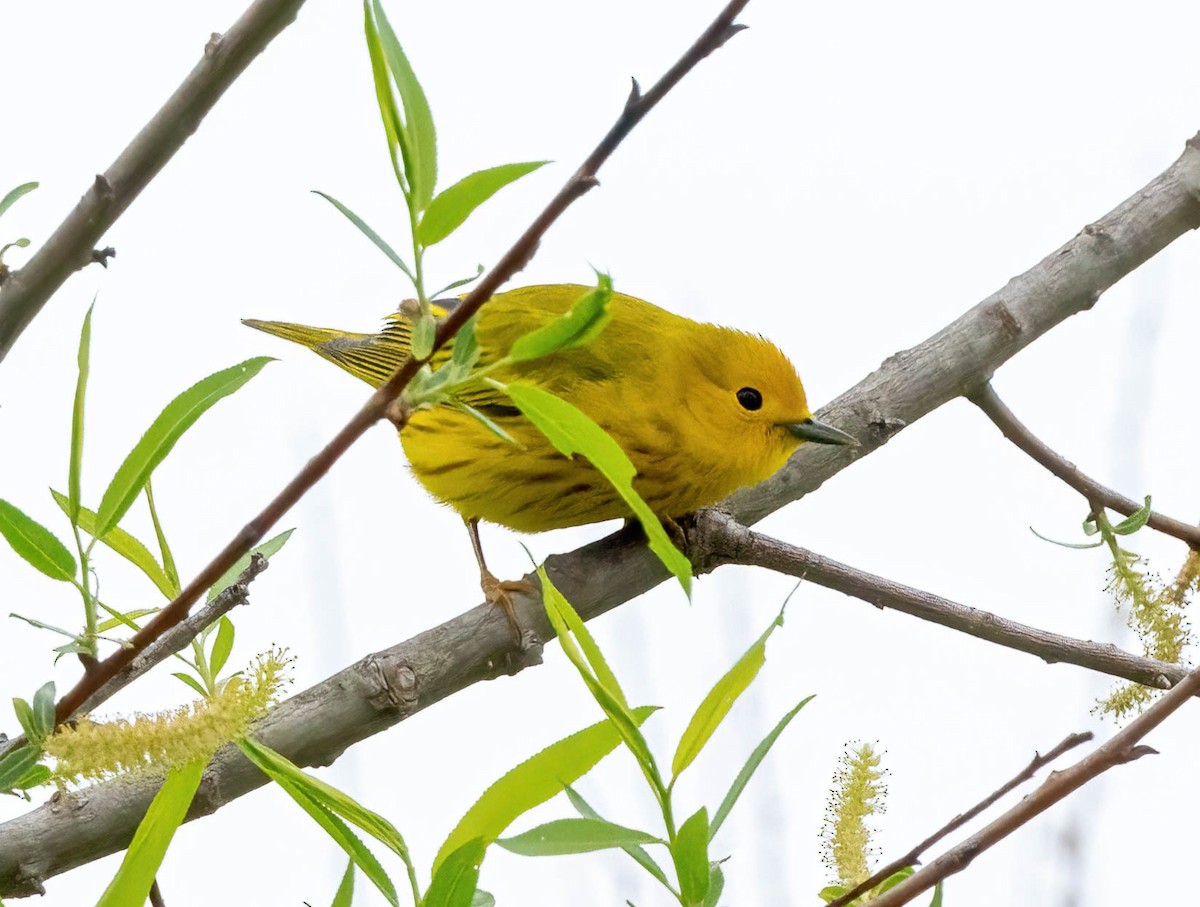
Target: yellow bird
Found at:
701, 411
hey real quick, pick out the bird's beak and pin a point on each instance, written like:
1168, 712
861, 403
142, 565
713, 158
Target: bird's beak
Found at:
820, 433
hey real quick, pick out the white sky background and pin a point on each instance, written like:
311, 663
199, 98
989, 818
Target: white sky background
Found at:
844, 178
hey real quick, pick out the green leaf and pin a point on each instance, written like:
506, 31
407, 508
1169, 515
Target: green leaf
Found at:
720, 699
222, 647
465, 350
461, 282
21, 243
16, 764
1081, 546
125, 619
578, 326
831, 892
571, 431
178, 416
191, 682
131, 884
423, 333
418, 140
43, 710
482, 898
454, 880
937, 896
533, 782
484, 421
747, 772
35, 777
123, 544
267, 549
1135, 520
566, 620
452, 206
168, 561
8, 200
344, 896
27, 721
716, 884
563, 836
636, 851
76, 462
558, 610
690, 852
40, 548
370, 234
893, 880
325, 804
384, 97
280, 768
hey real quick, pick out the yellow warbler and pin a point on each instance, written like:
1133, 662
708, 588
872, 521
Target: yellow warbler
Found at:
701, 411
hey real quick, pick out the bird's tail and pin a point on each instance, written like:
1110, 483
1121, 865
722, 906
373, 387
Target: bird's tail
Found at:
369, 357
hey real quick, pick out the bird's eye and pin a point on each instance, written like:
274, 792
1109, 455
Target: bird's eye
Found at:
749, 398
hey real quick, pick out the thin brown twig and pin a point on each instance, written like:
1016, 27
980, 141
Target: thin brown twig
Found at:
1122, 748
636, 107
1098, 496
913, 856
72, 244
156, 897
722, 540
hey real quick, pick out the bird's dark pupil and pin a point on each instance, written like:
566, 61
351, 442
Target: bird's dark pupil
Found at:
749, 398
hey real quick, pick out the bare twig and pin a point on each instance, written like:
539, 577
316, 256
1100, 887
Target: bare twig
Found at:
314, 727
721, 540
913, 856
174, 640
72, 245
156, 897
1122, 748
1097, 495
376, 407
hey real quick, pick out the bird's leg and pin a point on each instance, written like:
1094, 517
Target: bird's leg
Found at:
496, 591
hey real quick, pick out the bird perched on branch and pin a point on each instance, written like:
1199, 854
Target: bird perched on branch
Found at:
700, 410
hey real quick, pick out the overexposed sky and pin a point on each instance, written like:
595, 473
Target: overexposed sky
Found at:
844, 178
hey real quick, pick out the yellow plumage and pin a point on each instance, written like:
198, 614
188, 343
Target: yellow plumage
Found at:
701, 411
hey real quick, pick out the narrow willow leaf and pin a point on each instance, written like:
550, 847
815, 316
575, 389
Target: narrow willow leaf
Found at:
267, 549
720, 699
178, 416
384, 96
639, 853
26, 720
191, 682
937, 896
578, 326
454, 205
533, 782
13, 195
35, 777
716, 884
344, 896
125, 619
1134, 521
76, 463
222, 647
465, 349
1082, 546
131, 884
482, 898
123, 544
16, 764
40, 548
893, 880
461, 282
747, 772
423, 333
370, 234
418, 140
832, 892
565, 619
43, 709
571, 431
486, 422
454, 881
557, 610
690, 852
280, 768
312, 797
563, 836
168, 560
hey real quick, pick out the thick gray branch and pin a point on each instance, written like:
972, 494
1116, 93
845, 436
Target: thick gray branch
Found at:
70, 247
316, 726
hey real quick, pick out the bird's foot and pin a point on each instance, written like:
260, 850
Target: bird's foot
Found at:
499, 592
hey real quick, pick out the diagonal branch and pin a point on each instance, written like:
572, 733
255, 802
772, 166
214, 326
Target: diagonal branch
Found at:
316, 726
1122, 748
71, 246
1098, 496
913, 856
724, 541
380, 402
